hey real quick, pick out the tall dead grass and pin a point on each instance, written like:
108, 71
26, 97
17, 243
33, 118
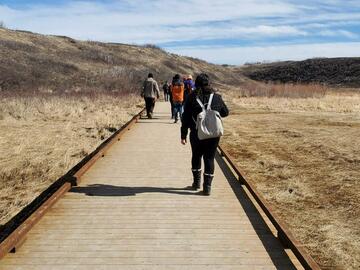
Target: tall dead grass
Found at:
303, 156
43, 136
255, 89
331, 101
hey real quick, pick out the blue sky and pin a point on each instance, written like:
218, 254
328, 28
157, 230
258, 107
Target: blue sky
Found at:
227, 31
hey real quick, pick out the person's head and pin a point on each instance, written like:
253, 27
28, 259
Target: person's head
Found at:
150, 75
202, 81
189, 77
177, 77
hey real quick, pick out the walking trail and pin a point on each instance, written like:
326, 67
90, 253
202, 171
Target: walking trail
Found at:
132, 210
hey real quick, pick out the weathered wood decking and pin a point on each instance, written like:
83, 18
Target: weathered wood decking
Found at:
133, 211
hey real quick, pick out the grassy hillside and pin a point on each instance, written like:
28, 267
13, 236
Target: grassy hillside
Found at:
31, 61
331, 71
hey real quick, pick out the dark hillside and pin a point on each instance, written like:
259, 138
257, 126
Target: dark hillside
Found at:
31, 62
331, 71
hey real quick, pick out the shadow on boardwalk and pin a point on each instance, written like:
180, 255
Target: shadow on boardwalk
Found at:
261, 228
109, 190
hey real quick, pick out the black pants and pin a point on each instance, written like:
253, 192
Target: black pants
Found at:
150, 104
172, 108
205, 149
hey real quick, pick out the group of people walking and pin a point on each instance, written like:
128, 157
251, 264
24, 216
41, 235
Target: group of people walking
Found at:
176, 92
200, 109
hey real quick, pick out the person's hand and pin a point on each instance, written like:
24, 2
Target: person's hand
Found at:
183, 141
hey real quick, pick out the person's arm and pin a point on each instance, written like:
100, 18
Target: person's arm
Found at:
157, 90
186, 118
143, 90
224, 111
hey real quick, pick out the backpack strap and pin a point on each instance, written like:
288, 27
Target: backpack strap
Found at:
210, 101
200, 103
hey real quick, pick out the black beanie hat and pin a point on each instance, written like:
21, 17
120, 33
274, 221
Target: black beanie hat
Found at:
150, 75
202, 80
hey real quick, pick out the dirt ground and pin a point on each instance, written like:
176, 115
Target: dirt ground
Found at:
42, 137
304, 157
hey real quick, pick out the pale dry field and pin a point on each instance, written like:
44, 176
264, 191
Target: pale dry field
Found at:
43, 136
303, 154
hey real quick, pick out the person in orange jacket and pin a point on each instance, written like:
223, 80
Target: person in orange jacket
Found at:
177, 92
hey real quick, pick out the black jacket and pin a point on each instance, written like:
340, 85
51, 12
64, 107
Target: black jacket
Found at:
192, 108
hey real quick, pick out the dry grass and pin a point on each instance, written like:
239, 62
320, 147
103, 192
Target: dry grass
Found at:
256, 89
330, 101
303, 155
41, 137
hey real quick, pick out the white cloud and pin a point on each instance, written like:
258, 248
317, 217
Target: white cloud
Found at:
196, 21
338, 33
148, 21
241, 55
157, 12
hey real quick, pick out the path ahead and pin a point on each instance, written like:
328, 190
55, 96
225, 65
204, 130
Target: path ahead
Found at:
132, 211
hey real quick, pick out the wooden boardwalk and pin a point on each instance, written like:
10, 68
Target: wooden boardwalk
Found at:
132, 211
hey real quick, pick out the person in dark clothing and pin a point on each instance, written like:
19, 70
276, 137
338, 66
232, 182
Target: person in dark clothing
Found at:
189, 86
171, 103
166, 89
205, 149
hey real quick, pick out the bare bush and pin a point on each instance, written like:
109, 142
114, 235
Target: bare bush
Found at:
152, 46
16, 45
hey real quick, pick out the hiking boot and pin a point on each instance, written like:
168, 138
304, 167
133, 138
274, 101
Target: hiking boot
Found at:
207, 184
150, 116
196, 179
176, 120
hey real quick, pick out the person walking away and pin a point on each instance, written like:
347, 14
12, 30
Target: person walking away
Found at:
171, 102
177, 91
166, 91
201, 148
150, 93
189, 86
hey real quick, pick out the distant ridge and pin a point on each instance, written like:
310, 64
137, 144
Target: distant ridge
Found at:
331, 71
31, 62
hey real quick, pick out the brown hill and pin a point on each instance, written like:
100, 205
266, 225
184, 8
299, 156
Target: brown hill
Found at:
331, 71
30, 61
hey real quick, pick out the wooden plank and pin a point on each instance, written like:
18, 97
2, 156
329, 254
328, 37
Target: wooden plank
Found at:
145, 245
141, 267
146, 261
140, 241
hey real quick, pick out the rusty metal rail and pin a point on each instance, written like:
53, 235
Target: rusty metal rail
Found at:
283, 232
13, 233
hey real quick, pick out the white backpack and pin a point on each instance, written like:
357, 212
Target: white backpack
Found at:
208, 122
